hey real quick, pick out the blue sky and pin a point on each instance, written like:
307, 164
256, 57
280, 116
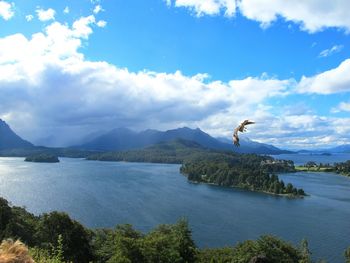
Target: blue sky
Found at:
164, 64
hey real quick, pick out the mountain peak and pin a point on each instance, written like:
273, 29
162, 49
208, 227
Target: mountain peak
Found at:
10, 140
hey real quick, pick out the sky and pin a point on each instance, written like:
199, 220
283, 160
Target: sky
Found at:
69, 69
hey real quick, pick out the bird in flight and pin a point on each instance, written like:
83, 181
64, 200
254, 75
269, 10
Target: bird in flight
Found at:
240, 128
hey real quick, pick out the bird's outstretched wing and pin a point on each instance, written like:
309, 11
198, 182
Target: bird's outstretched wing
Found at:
240, 128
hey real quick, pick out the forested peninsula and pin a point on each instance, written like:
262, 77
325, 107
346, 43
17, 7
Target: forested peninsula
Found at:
224, 168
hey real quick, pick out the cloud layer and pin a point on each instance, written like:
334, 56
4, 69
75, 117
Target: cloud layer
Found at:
50, 91
312, 15
59, 88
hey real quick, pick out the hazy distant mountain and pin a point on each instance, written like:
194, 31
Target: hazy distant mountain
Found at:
338, 149
126, 139
10, 140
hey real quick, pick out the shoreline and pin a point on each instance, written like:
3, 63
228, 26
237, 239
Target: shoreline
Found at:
315, 170
249, 190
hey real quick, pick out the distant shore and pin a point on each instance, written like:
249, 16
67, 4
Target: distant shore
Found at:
320, 170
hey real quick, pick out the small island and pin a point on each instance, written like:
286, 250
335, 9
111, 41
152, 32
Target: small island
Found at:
42, 158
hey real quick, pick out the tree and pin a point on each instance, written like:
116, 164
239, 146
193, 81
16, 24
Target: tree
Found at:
289, 188
126, 245
347, 255
76, 240
170, 244
5, 217
305, 252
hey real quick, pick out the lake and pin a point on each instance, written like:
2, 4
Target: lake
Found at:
103, 194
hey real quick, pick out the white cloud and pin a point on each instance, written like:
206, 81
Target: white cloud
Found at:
66, 10
168, 2
330, 51
312, 15
6, 10
336, 80
46, 15
82, 27
208, 7
343, 106
101, 23
29, 17
98, 9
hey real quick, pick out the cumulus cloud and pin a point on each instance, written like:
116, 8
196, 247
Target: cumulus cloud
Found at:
313, 15
6, 10
208, 7
66, 10
101, 23
336, 80
98, 9
330, 51
46, 15
29, 17
168, 2
343, 106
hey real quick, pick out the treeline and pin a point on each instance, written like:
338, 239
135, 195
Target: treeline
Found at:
56, 238
174, 152
37, 150
342, 168
249, 171
42, 158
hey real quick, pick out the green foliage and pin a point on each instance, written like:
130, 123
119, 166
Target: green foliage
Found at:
267, 248
126, 245
248, 171
42, 158
166, 243
17, 223
305, 252
76, 238
169, 243
347, 255
62, 152
270, 248
44, 256
5, 217
215, 255
343, 168
168, 152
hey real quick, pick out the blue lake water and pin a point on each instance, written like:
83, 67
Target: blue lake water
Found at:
103, 194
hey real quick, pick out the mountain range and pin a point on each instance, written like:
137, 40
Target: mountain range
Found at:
125, 139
